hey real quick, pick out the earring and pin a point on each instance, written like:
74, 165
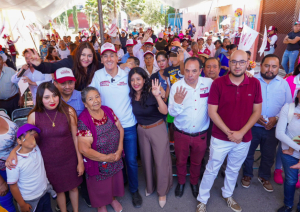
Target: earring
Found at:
24, 139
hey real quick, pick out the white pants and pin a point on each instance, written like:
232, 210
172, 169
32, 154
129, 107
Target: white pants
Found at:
237, 154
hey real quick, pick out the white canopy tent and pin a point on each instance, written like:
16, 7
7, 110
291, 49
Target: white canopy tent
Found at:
179, 4
44, 10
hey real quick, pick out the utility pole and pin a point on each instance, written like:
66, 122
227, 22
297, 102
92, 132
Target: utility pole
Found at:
100, 15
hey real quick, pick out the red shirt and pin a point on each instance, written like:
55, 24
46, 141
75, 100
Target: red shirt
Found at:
235, 104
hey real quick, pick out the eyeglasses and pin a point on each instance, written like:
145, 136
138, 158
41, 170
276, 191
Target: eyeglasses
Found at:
241, 62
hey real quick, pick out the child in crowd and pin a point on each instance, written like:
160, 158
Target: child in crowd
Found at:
174, 73
44, 50
28, 181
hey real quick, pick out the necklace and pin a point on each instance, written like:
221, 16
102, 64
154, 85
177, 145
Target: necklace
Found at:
53, 124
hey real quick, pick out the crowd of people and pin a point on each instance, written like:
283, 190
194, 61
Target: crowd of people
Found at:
97, 104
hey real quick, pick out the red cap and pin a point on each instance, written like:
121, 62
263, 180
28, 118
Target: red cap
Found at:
108, 47
148, 52
189, 21
129, 42
149, 41
64, 74
271, 28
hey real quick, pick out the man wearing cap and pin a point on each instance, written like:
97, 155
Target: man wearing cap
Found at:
123, 36
146, 44
63, 51
129, 45
272, 41
9, 92
237, 36
190, 28
134, 32
11, 46
291, 53
188, 105
64, 80
112, 83
31, 76
209, 44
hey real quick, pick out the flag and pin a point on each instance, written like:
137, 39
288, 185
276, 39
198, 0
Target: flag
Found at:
2, 27
264, 43
113, 29
247, 39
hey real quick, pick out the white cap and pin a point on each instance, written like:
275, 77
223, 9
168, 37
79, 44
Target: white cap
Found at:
149, 41
64, 74
148, 52
129, 42
172, 33
108, 47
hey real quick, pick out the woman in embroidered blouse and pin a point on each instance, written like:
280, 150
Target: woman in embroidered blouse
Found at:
8, 131
100, 137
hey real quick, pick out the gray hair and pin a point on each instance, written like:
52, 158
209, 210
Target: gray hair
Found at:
194, 43
85, 91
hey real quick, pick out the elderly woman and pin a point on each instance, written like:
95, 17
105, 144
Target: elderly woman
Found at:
149, 110
150, 66
100, 137
287, 131
8, 132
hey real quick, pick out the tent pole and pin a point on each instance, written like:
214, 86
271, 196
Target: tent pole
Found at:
30, 34
100, 15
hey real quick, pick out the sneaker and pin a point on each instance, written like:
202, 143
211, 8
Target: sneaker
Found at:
201, 207
285, 209
298, 183
172, 148
233, 204
266, 184
278, 176
246, 181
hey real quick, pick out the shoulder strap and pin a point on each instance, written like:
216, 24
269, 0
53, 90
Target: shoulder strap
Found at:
108, 112
291, 112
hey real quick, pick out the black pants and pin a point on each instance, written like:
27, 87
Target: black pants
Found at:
44, 204
268, 143
124, 49
10, 105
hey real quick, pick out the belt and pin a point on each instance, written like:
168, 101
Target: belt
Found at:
190, 134
151, 125
10, 98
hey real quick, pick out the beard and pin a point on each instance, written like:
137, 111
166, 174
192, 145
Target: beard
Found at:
265, 76
238, 75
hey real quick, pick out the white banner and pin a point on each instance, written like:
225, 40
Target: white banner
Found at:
248, 37
264, 43
113, 29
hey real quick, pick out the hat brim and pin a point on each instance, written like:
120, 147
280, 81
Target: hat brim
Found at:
148, 53
204, 55
129, 44
148, 43
27, 127
63, 79
108, 50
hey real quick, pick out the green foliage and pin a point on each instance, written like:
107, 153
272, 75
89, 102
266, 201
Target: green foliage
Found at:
134, 8
75, 19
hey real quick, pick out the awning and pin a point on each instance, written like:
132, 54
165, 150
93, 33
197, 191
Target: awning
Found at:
44, 10
179, 4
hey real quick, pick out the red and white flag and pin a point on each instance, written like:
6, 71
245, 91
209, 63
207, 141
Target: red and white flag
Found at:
113, 29
247, 39
264, 43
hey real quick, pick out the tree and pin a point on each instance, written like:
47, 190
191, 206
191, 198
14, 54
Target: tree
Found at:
75, 20
152, 13
134, 8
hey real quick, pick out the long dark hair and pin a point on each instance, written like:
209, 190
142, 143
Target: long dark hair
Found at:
297, 99
49, 52
62, 107
145, 89
296, 70
79, 72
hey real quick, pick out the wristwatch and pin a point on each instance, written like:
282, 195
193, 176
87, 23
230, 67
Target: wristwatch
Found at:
276, 118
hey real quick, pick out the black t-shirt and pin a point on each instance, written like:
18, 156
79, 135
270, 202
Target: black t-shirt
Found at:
149, 114
173, 73
153, 38
161, 45
296, 46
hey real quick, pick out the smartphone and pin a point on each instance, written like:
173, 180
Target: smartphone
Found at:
22, 72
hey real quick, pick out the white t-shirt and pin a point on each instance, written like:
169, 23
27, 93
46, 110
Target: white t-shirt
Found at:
29, 173
64, 53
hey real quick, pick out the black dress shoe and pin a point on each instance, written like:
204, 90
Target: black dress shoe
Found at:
195, 190
137, 199
285, 209
179, 190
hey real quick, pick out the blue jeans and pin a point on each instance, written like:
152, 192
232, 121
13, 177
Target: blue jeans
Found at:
288, 60
130, 149
7, 201
268, 143
278, 163
44, 204
271, 51
291, 178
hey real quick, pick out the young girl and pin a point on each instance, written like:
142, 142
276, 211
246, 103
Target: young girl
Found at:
44, 50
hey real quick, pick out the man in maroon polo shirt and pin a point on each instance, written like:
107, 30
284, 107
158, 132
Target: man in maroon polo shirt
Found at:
234, 105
